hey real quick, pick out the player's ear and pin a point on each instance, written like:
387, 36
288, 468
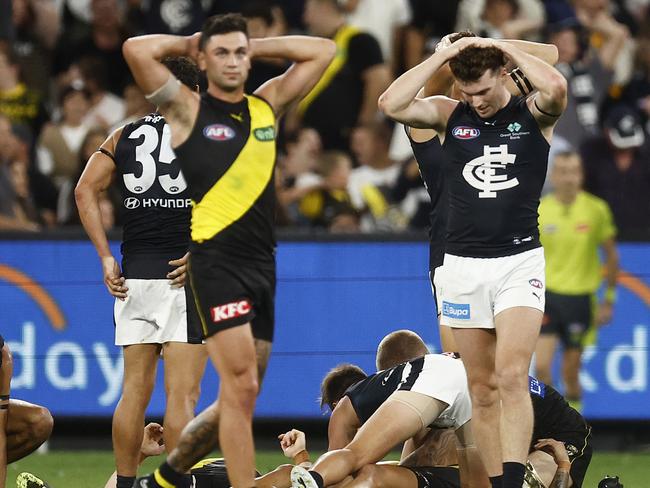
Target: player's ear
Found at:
201, 60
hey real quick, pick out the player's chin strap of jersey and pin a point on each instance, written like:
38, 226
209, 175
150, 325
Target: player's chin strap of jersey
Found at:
4, 402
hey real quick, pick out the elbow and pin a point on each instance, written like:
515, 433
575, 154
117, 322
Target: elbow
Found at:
81, 193
553, 54
328, 49
557, 86
384, 104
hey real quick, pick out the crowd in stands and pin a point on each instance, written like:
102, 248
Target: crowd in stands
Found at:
64, 86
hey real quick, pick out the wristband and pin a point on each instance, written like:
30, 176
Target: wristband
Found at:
301, 457
610, 294
564, 465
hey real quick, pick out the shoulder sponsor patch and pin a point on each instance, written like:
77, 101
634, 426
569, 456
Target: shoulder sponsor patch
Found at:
218, 132
464, 132
264, 133
459, 311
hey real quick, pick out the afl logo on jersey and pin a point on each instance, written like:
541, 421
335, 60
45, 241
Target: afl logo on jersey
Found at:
463, 132
218, 132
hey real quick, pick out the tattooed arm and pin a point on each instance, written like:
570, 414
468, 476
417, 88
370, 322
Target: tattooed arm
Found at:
556, 449
199, 437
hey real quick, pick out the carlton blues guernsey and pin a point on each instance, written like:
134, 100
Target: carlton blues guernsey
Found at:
229, 161
155, 198
495, 170
430, 158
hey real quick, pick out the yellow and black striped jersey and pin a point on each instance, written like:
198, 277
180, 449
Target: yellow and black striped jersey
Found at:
229, 162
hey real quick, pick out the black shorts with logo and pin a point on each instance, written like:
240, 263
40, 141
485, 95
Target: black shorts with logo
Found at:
580, 451
436, 477
229, 294
568, 316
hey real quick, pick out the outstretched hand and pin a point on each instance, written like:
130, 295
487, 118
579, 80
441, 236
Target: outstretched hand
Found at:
554, 448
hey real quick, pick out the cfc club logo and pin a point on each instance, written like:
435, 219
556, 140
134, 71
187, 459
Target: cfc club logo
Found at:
463, 132
536, 283
218, 132
131, 203
481, 172
230, 310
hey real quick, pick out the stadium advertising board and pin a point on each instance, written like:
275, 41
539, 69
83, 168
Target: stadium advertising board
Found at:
335, 301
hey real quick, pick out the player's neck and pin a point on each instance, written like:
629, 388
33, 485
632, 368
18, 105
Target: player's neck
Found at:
227, 96
567, 197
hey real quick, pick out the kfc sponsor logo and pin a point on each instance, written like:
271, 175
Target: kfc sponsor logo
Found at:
463, 132
230, 310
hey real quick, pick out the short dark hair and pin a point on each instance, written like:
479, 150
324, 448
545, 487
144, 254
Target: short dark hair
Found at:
337, 381
258, 10
222, 24
398, 347
459, 35
472, 62
183, 68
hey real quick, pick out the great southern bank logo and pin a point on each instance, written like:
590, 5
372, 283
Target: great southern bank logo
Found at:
463, 132
456, 310
218, 132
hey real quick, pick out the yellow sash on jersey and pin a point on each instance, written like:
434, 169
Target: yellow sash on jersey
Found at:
342, 40
243, 183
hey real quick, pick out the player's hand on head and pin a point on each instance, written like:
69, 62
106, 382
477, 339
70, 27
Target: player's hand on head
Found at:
292, 442
179, 274
152, 441
444, 43
113, 279
554, 448
193, 46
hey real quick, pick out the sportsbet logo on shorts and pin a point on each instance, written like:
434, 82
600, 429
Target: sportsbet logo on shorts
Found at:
456, 310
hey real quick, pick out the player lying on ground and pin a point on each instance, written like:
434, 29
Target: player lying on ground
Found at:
408, 399
554, 418
23, 426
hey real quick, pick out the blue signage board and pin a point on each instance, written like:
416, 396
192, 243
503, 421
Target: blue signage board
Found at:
335, 301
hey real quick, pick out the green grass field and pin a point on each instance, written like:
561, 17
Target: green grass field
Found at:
90, 469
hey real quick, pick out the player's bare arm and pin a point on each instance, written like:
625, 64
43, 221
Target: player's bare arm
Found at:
6, 371
95, 179
400, 101
551, 98
471, 469
606, 307
562, 478
310, 56
176, 102
343, 425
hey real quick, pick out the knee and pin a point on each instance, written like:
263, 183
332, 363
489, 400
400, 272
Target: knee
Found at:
240, 386
484, 393
183, 392
40, 424
513, 380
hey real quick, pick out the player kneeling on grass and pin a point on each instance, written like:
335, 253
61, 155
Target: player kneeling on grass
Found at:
431, 389
23, 426
554, 420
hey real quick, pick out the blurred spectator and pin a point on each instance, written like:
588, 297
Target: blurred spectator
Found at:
59, 143
264, 20
347, 93
376, 171
136, 105
18, 102
37, 26
588, 72
431, 21
106, 109
617, 169
322, 206
17, 210
103, 42
637, 92
412, 196
67, 207
297, 171
178, 17
502, 19
385, 20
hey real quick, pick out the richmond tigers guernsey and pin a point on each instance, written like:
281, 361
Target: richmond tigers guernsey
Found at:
156, 204
228, 162
495, 171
